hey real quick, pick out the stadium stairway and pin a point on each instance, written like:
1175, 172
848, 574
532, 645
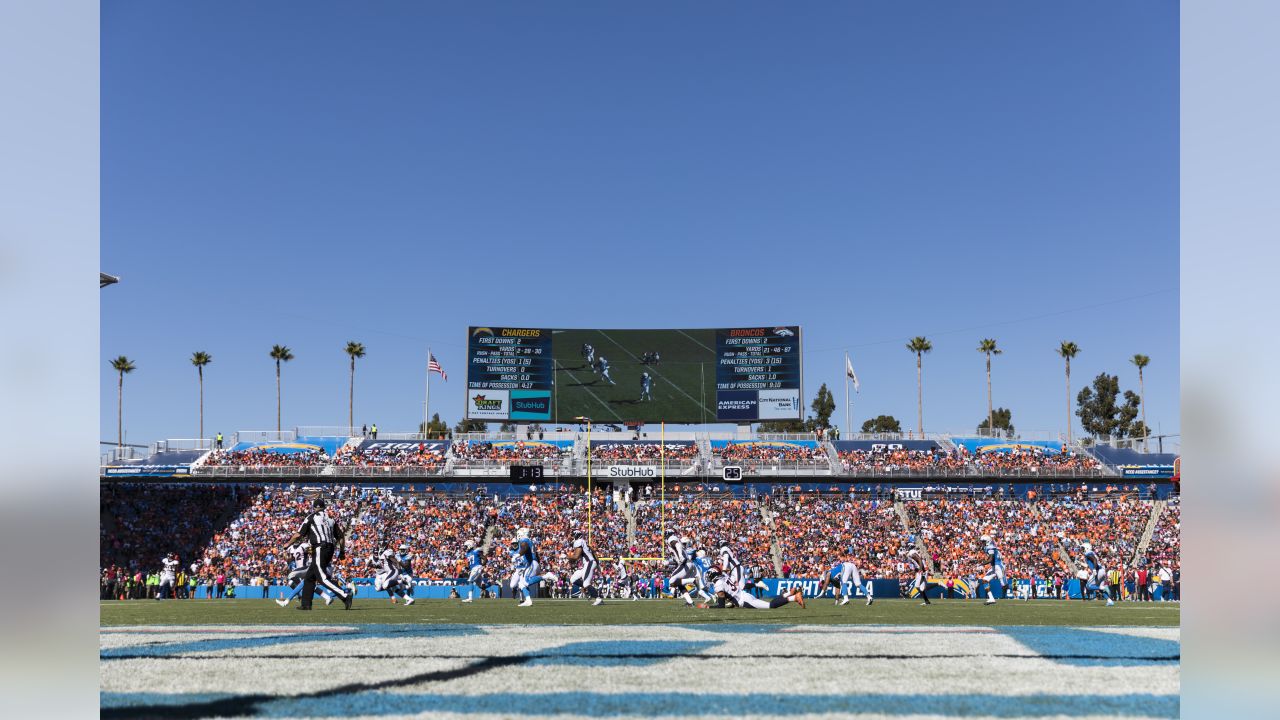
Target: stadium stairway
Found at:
1157, 509
833, 457
775, 550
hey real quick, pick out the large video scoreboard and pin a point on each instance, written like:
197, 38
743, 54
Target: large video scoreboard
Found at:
628, 376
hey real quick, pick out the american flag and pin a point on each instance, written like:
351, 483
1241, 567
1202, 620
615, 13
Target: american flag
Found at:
433, 365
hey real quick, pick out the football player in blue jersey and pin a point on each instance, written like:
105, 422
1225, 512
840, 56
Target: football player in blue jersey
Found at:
1097, 581
475, 570
844, 575
526, 549
995, 571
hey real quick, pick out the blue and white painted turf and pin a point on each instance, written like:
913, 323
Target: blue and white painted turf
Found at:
705, 671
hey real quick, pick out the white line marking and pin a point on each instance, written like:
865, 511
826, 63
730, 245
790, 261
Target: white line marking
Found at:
655, 371
584, 386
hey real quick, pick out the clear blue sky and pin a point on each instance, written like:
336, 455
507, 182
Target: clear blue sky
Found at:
312, 173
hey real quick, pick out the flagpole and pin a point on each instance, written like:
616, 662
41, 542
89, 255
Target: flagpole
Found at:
426, 401
848, 417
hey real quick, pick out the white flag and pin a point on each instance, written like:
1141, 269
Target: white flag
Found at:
849, 373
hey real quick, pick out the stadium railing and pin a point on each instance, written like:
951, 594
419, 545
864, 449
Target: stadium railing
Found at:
262, 436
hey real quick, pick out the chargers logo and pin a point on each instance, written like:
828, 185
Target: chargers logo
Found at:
482, 331
483, 403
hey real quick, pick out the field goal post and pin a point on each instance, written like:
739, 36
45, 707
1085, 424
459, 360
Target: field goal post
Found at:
662, 496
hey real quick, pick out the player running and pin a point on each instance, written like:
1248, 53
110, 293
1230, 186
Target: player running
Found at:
625, 589
681, 556
388, 576
526, 550
475, 573
842, 575
584, 577
602, 368
646, 387
996, 571
588, 354
915, 563
1097, 574
300, 555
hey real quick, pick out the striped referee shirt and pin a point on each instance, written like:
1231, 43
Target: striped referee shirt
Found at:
320, 529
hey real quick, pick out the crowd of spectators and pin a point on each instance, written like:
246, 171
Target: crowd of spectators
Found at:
471, 450
1166, 540
754, 453
262, 457
1016, 462
395, 456
816, 532
232, 535
952, 528
887, 460
629, 452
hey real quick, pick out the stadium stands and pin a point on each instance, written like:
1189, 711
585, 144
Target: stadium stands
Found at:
643, 453
236, 530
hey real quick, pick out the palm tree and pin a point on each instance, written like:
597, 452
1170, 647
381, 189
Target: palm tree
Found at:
279, 353
1068, 350
200, 358
919, 345
355, 350
122, 365
987, 346
1142, 361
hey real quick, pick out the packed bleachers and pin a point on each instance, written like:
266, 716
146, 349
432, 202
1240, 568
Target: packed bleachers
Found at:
394, 455
272, 456
884, 458
637, 452
952, 528
238, 530
814, 532
1166, 540
516, 451
752, 454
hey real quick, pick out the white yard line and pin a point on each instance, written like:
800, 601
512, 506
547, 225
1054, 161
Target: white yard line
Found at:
584, 386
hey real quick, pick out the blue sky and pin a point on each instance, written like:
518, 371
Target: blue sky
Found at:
309, 174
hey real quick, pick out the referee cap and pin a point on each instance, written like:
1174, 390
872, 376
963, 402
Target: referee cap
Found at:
318, 504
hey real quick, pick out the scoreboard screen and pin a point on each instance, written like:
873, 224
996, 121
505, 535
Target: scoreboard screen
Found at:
634, 376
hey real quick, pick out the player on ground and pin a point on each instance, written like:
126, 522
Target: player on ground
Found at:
1097, 573
475, 573
584, 577
527, 550
842, 575
915, 563
725, 589
646, 387
996, 570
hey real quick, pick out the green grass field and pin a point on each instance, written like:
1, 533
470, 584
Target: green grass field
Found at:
684, 388
618, 612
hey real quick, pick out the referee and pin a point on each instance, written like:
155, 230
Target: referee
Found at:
325, 535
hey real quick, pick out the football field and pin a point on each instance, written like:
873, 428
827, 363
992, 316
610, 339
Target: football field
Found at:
439, 658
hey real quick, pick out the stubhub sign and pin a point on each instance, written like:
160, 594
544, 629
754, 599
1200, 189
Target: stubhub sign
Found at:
632, 471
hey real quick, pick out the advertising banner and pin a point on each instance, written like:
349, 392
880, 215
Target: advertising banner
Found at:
149, 471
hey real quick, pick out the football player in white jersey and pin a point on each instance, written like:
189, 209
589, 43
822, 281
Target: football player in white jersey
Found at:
584, 577
624, 581
300, 557
916, 564
727, 590
388, 577
680, 554
168, 576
